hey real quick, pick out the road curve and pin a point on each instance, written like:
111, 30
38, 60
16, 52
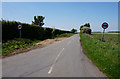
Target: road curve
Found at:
61, 59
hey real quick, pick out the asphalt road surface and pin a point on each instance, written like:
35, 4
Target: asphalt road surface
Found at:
62, 59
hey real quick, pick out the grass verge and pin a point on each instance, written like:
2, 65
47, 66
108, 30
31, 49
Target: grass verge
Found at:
64, 35
104, 55
15, 44
0, 49
19, 45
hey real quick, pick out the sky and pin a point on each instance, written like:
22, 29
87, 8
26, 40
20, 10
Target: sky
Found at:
64, 15
59, 0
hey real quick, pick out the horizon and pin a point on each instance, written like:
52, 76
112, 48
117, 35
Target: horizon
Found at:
64, 15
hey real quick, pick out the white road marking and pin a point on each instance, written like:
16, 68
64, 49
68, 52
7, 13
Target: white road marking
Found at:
51, 68
49, 72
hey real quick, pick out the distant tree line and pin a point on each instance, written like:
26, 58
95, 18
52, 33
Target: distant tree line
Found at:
74, 30
96, 32
114, 32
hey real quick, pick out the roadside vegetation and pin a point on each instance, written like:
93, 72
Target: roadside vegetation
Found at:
0, 49
64, 35
17, 43
31, 34
104, 55
29, 31
11, 46
85, 28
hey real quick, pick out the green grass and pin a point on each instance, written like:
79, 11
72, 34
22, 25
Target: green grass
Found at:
64, 35
112, 39
105, 54
0, 49
12, 45
17, 43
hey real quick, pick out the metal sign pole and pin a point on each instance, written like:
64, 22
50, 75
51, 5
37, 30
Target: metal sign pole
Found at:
102, 35
19, 28
20, 33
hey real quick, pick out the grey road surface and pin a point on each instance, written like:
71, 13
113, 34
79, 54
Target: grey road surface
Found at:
62, 59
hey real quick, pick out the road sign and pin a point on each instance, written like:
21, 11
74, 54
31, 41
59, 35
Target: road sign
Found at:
19, 27
105, 25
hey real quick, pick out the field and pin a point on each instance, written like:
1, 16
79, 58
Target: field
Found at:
104, 55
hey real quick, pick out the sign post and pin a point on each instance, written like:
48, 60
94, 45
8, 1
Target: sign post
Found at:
20, 33
19, 28
104, 26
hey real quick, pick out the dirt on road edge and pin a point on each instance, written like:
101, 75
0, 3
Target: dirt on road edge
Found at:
36, 45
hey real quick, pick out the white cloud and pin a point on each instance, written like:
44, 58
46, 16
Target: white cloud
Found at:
47, 26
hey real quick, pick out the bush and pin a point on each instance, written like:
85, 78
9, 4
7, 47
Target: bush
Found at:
86, 30
9, 30
29, 31
12, 45
32, 32
48, 33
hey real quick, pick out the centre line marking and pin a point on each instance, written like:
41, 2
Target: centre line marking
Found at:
51, 68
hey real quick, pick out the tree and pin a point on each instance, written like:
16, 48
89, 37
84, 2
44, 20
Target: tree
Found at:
81, 27
85, 28
38, 20
74, 30
87, 25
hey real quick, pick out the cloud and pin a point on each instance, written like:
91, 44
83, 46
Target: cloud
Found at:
47, 26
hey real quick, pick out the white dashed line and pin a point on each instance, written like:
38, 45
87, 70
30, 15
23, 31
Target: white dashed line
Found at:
51, 68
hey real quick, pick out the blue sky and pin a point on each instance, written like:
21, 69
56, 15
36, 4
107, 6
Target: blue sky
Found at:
64, 15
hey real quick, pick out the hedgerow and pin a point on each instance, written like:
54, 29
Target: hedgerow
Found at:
29, 31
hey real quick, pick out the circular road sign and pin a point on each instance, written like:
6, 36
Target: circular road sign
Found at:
105, 25
19, 27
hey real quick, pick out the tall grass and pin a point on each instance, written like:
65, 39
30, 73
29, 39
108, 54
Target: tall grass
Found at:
104, 55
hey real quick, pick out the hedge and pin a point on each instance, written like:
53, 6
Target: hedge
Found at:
30, 31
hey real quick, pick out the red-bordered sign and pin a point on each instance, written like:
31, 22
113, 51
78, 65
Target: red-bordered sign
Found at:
19, 27
105, 25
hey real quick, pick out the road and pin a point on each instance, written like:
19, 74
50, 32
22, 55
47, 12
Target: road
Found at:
62, 59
